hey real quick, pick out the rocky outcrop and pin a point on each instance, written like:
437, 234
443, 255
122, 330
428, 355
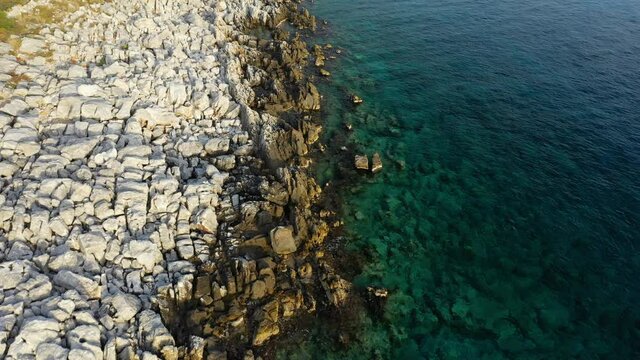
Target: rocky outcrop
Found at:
154, 202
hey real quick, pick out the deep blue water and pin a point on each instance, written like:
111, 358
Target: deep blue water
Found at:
506, 222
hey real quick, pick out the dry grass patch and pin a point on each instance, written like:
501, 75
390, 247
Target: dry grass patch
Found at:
17, 79
31, 22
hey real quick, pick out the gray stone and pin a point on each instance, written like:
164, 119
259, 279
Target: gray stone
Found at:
49, 351
15, 107
31, 46
82, 284
93, 244
206, 221
217, 146
152, 333
78, 148
155, 116
190, 148
124, 306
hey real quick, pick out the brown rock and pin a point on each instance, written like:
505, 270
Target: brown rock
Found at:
267, 319
266, 329
356, 99
305, 271
203, 286
376, 163
258, 290
361, 162
282, 240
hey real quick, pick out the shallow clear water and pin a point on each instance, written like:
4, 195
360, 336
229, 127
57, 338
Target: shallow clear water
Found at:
513, 229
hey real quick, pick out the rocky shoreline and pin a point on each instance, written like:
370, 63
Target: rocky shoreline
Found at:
156, 201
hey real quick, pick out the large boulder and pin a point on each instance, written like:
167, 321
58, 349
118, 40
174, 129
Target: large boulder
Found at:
80, 148
124, 307
93, 244
219, 104
282, 240
207, 221
154, 335
34, 332
217, 146
31, 46
155, 116
84, 285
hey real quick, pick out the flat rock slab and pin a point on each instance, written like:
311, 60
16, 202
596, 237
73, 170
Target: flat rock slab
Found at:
31, 46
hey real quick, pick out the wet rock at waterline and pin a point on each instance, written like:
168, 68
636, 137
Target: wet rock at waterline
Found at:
376, 163
361, 162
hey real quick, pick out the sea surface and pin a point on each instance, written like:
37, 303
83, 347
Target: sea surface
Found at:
506, 221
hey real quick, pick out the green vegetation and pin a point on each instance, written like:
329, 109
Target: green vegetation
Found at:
7, 25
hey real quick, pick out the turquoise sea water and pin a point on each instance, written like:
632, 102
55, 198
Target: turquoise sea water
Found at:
506, 222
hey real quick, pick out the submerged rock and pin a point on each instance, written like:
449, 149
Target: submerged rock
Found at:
376, 163
361, 162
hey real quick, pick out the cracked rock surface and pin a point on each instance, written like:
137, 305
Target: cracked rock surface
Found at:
133, 189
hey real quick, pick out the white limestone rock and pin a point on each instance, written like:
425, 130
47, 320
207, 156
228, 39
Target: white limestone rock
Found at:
78, 148
86, 338
13, 273
177, 93
7, 169
89, 90
22, 140
77, 72
156, 116
84, 285
49, 351
207, 221
152, 333
217, 146
15, 107
33, 332
93, 244
69, 107
201, 101
190, 148
219, 104
31, 46
67, 260
124, 307
145, 252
